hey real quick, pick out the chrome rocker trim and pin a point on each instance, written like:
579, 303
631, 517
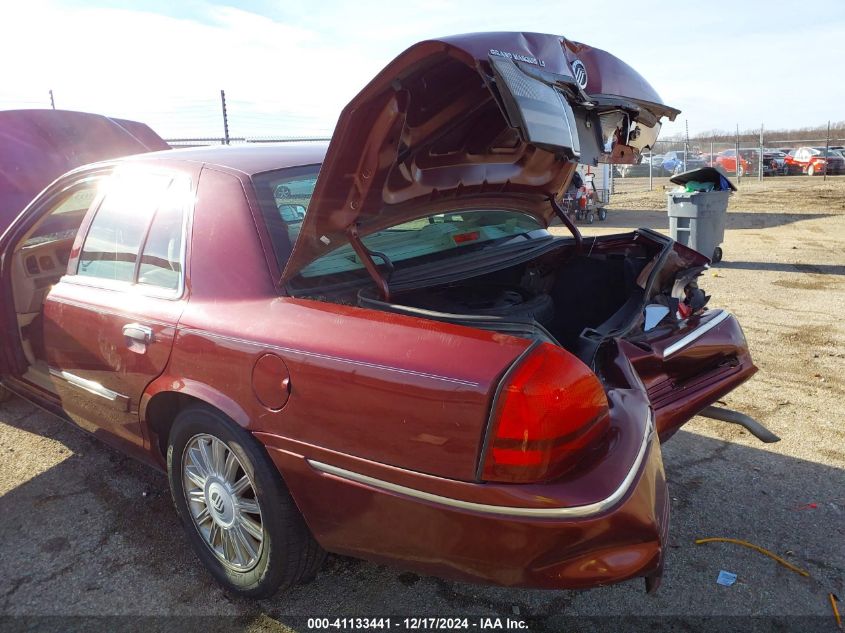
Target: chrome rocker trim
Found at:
91, 387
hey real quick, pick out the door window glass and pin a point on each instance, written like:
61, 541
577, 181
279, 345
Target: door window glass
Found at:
161, 260
114, 238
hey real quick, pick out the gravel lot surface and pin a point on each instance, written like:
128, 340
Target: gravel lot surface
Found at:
85, 531
780, 193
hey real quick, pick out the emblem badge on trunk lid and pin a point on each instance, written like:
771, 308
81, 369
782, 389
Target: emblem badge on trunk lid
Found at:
579, 71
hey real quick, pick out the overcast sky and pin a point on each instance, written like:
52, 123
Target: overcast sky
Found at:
289, 66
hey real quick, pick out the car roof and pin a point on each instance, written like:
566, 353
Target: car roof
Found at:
250, 158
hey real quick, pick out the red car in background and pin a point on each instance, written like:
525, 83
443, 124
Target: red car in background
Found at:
727, 161
398, 361
813, 160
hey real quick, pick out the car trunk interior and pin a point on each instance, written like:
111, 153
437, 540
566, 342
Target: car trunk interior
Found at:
563, 291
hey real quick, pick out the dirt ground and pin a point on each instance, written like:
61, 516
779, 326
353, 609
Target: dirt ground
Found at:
779, 193
87, 532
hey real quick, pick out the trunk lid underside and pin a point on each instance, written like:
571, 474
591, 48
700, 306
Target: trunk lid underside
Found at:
488, 115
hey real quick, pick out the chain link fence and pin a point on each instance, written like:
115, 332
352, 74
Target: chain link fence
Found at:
741, 159
185, 121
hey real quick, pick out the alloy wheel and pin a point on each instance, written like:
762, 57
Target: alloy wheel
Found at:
222, 501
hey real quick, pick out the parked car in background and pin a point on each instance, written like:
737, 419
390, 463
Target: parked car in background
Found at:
813, 161
405, 365
790, 167
38, 146
673, 162
294, 189
774, 161
642, 169
728, 162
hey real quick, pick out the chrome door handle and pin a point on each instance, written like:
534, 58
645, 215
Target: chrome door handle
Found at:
138, 332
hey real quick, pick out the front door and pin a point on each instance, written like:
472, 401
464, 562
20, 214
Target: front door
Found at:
109, 324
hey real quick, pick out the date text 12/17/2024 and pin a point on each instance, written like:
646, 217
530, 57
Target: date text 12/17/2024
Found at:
417, 624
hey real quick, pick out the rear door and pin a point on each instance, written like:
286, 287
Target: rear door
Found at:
109, 323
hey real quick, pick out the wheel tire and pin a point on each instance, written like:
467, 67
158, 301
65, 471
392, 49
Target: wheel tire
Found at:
740, 171
287, 552
717, 255
283, 192
811, 170
590, 217
602, 214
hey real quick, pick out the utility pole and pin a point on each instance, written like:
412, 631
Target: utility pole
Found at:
52, 102
650, 168
736, 155
225, 118
760, 166
826, 152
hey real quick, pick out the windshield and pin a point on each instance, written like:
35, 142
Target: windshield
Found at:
63, 221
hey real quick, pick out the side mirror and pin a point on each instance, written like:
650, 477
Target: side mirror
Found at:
654, 314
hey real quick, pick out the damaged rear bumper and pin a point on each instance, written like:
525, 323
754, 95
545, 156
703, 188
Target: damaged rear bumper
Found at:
538, 536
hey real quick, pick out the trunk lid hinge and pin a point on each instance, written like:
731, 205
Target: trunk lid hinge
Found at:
366, 257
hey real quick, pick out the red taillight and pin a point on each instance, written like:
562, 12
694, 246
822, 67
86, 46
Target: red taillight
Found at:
550, 410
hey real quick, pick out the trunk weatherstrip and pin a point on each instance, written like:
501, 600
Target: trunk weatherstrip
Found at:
514, 511
695, 334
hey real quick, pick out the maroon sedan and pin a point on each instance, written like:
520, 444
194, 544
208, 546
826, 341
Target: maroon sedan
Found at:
377, 348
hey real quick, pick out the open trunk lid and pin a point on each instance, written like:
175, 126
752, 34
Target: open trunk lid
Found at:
504, 115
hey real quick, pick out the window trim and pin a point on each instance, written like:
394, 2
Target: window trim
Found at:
147, 290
